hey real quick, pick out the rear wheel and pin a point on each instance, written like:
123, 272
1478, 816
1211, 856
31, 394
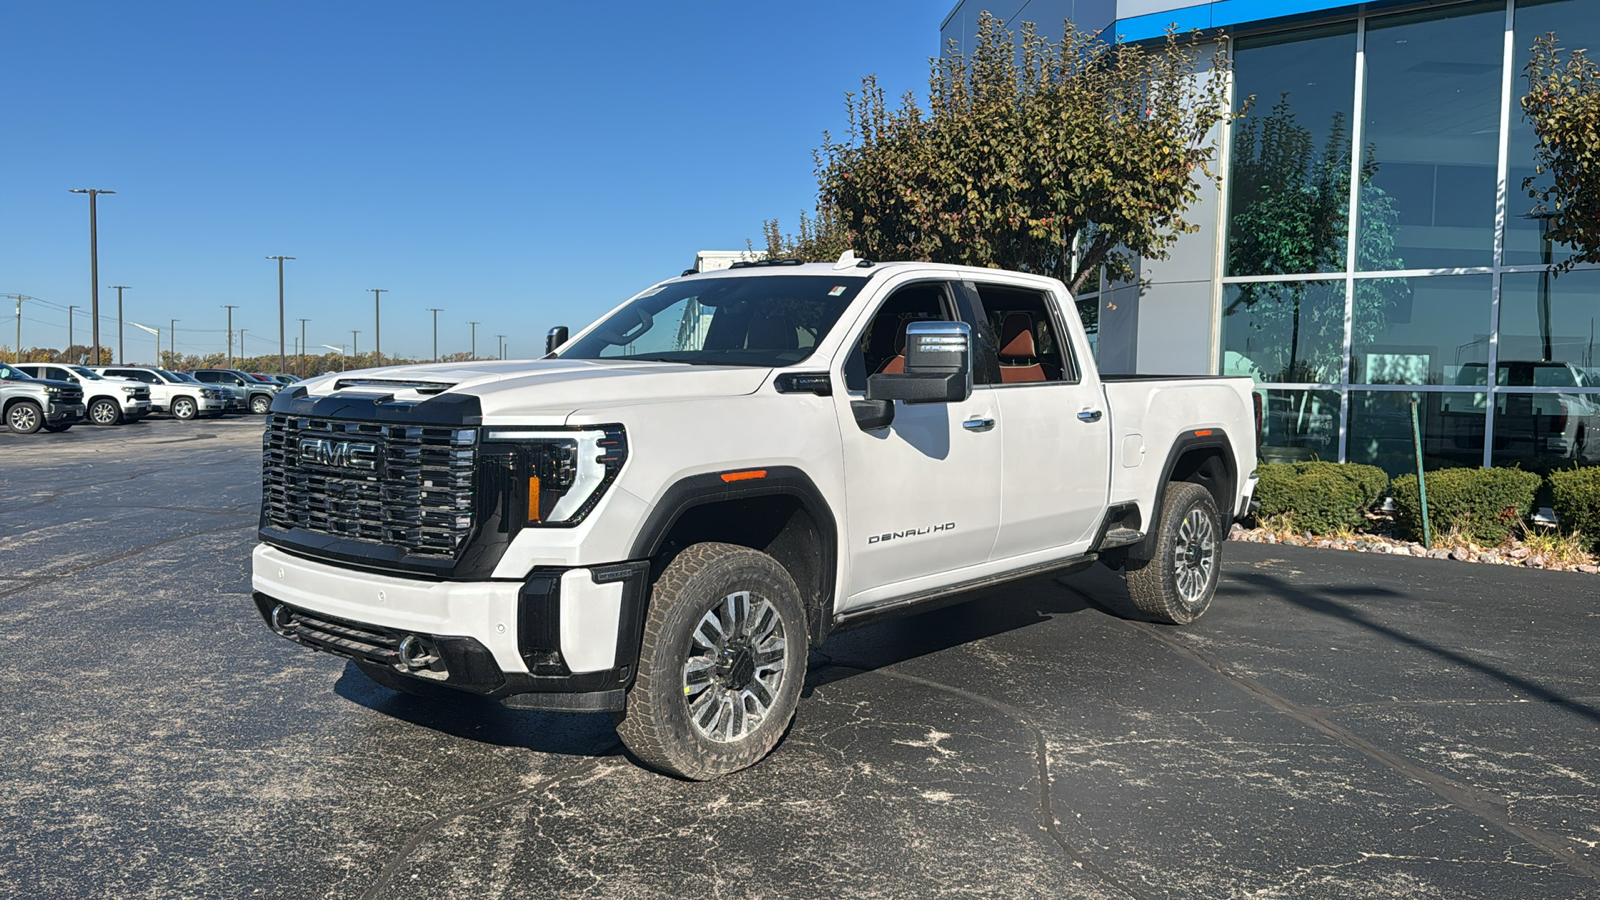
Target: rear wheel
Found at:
1177, 584
105, 412
721, 664
25, 417
184, 408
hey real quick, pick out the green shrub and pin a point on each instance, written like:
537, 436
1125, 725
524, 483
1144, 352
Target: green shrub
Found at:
1577, 500
1321, 497
1485, 505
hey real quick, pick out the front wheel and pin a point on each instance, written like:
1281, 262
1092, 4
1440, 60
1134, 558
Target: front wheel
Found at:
184, 408
1177, 584
105, 412
721, 664
260, 403
25, 417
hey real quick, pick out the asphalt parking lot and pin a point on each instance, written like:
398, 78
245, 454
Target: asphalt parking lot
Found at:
1339, 725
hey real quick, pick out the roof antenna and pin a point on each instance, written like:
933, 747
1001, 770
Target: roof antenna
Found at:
847, 260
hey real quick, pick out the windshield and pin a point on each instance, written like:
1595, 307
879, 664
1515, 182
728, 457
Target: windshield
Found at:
13, 374
86, 373
179, 376
765, 321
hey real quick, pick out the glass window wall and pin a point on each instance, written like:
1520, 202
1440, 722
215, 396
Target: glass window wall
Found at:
1284, 331
1577, 24
1420, 330
1431, 128
1289, 189
1299, 425
1451, 425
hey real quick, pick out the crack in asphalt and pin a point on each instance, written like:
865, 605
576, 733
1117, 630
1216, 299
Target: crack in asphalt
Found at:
1046, 811
386, 875
1489, 807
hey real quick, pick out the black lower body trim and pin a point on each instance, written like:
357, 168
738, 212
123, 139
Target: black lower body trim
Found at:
953, 594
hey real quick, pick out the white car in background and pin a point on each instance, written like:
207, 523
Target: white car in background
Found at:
183, 398
109, 400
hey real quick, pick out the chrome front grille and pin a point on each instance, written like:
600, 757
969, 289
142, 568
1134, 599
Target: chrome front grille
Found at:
406, 486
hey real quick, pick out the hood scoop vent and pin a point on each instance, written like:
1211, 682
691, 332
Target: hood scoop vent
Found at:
421, 387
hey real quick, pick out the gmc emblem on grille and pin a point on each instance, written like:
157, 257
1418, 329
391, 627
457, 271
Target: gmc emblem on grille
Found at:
338, 454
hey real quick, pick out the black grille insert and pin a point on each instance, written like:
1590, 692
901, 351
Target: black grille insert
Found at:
405, 486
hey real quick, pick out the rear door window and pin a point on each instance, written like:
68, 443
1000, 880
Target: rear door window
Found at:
1022, 331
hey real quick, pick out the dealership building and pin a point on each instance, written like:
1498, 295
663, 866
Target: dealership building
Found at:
1371, 243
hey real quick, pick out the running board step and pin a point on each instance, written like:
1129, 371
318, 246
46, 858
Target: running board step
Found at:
1120, 537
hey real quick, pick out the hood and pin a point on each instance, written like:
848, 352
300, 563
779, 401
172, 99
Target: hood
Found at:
545, 386
49, 382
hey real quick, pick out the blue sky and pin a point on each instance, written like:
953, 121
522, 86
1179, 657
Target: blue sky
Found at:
521, 164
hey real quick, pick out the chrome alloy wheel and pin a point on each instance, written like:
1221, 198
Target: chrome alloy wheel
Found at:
1195, 555
735, 667
24, 418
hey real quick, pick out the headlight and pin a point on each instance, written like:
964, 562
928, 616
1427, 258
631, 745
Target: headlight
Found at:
558, 475
130, 391
51, 389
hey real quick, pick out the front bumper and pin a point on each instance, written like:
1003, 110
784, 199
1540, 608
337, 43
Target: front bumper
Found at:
61, 413
564, 639
135, 409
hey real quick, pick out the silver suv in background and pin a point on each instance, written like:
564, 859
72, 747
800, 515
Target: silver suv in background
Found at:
178, 395
258, 391
30, 404
109, 401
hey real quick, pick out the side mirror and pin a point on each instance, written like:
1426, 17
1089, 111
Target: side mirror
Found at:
938, 366
556, 337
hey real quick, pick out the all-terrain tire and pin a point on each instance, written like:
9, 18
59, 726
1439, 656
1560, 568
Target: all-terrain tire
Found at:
721, 664
25, 417
184, 408
1176, 585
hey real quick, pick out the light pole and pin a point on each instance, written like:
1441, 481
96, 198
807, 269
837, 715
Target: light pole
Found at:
241, 346
120, 288
377, 324
172, 337
435, 332
340, 350
282, 363
355, 349
502, 342
474, 338
16, 352
94, 267
70, 308
302, 372
157, 333
230, 307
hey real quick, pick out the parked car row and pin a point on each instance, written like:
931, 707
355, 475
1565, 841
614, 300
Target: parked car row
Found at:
55, 396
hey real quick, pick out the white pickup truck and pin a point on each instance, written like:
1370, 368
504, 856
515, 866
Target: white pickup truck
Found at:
660, 517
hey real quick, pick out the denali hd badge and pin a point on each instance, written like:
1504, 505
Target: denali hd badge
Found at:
338, 454
910, 532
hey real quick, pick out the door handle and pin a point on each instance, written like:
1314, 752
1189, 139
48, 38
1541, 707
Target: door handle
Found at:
1089, 415
978, 424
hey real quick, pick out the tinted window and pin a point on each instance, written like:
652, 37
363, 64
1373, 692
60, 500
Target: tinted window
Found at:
729, 321
880, 347
1026, 339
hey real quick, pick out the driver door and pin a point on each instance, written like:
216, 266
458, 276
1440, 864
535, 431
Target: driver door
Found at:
922, 496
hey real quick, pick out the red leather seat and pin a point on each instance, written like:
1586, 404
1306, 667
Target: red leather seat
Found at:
1019, 358
897, 365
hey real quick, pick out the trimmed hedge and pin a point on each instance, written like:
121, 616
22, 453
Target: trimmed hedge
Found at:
1320, 497
1577, 500
1484, 504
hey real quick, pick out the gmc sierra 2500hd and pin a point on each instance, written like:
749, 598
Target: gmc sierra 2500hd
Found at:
660, 517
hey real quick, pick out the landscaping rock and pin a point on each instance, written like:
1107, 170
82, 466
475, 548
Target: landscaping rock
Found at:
1520, 553
1592, 570
1438, 554
1535, 562
1419, 550
1236, 533
1461, 554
